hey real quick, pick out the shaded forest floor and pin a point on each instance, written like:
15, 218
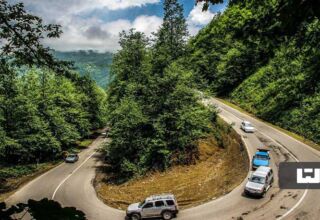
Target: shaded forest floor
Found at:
217, 171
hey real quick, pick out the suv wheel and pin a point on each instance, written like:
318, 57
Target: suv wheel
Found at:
166, 215
135, 217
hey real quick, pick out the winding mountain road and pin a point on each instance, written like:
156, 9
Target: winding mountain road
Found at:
72, 184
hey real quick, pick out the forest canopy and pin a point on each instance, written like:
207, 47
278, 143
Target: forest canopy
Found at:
155, 114
264, 56
45, 107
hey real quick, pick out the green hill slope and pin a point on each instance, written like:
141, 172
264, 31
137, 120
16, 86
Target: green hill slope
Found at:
94, 63
265, 57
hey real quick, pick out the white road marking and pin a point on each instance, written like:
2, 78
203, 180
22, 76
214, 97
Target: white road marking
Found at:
275, 129
75, 170
304, 193
293, 156
295, 206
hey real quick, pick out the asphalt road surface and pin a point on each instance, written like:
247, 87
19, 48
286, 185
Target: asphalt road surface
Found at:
71, 184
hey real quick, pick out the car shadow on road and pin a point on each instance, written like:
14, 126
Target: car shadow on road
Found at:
126, 218
243, 194
44, 209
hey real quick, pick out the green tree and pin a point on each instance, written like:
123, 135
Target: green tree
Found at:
262, 55
155, 119
129, 138
170, 40
130, 69
179, 120
21, 34
92, 95
41, 111
29, 136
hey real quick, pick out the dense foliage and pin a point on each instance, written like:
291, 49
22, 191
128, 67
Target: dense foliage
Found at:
154, 113
42, 114
44, 107
21, 34
91, 63
264, 55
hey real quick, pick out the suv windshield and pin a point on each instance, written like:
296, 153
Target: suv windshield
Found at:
141, 204
257, 179
261, 157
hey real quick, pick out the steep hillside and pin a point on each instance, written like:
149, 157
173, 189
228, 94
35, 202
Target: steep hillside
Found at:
94, 63
264, 56
286, 90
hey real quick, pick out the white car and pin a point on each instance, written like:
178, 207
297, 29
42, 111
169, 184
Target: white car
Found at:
247, 127
259, 182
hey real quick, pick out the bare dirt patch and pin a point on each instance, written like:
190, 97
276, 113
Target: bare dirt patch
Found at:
216, 172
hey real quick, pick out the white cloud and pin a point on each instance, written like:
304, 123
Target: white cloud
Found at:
95, 34
198, 18
51, 8
122, 4
147, 24
82, 32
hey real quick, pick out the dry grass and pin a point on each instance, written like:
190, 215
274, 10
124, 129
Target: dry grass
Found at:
217, 172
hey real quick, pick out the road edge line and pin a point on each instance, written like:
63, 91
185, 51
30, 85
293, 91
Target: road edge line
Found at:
317, 152
293, 156
74, 171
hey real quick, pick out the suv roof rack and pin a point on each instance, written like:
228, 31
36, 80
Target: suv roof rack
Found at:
160, 196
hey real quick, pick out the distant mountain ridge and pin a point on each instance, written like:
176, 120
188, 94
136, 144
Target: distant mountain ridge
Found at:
96, 64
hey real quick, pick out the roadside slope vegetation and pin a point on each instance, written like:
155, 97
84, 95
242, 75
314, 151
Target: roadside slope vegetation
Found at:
221, 165
45, 108
264, 56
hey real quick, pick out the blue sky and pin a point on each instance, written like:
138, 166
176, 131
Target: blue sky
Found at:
95, 24
149, 9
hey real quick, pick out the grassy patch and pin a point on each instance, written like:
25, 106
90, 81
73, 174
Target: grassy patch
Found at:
84, 143
291, 134
217, 171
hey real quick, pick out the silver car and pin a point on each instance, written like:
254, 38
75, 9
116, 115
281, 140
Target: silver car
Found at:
72, 158
164, 206
247, 127
259, 182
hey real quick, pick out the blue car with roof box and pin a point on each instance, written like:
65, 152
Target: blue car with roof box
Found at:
261, 158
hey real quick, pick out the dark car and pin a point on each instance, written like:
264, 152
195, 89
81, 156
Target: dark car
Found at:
72, 158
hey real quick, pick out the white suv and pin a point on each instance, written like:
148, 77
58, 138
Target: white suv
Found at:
164, 206
259, 182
